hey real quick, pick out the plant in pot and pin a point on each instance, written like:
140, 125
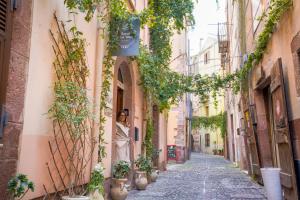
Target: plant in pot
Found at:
155, 172
18, 186
144, 168
95, 186
120, 172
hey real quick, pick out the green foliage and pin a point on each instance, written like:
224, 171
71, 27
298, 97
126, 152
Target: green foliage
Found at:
164, 85
148, 138
68, 97
19, 185
211, 122
121, 169
143, 164
71, 104
86, 6
97, 180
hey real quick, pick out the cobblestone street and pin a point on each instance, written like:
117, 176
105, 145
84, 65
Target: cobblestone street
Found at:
203, 177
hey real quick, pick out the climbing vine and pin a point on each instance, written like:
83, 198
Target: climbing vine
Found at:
276, 10
148, 138
212, 122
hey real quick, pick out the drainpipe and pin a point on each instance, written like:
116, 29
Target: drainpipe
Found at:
188, 103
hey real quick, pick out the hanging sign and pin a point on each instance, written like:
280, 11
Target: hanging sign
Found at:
129, 39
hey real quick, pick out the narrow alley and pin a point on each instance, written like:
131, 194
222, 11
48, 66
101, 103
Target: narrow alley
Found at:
203, 177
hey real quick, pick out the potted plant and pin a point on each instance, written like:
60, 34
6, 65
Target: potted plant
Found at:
155, 172
144, 167
19, 185
120, 172
95, 186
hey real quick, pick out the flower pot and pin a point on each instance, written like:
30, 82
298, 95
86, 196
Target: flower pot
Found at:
96, 195
75, 198
154, 175
271, 178
119, 191
141, 180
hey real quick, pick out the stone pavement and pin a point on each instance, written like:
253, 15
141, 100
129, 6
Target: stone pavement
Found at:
203, 177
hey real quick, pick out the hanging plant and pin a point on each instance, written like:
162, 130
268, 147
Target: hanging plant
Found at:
212, 122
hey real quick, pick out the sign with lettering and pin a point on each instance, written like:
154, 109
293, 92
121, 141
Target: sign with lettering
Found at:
129, 39
171, 150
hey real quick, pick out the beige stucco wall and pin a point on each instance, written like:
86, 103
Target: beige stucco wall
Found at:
39, 96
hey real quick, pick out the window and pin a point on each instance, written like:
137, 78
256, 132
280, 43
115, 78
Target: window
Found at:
206, 111
206, 58
120, 76
120, 93
295, 47
5, 35
207, 140
297, 70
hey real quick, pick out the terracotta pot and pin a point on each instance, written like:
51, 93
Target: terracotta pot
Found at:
75, 198
119, 191
154, 175
141, 180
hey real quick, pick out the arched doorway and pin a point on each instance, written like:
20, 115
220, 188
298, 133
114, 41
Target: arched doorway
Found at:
123, 99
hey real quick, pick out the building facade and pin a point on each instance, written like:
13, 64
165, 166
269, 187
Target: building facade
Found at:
236, 137
178, 128
208, 62
269, 107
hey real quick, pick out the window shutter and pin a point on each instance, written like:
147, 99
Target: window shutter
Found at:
5, 37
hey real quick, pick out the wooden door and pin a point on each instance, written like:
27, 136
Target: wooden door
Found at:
252, 144
282, 133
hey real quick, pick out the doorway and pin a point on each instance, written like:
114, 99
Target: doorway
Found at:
270, 126
122, 100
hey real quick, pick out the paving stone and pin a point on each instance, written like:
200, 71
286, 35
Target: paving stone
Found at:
204, 177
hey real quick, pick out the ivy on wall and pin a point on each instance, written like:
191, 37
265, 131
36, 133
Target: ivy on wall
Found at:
214, 122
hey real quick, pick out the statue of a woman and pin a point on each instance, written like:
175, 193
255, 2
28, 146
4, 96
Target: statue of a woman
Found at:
122, 138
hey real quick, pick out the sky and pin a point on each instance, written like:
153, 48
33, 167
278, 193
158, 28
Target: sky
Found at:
206, 13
